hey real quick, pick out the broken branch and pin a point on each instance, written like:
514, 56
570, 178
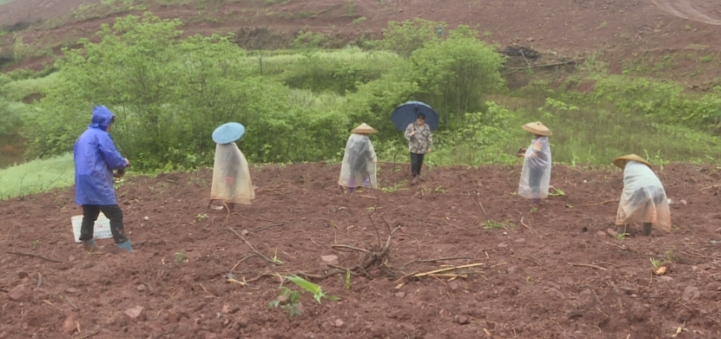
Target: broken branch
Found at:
418, 275
34, 255
349, 247
266, 259
589, 265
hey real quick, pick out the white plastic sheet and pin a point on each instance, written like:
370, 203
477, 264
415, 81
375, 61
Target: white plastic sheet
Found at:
536, 175
643, 199
358, 169
231, 177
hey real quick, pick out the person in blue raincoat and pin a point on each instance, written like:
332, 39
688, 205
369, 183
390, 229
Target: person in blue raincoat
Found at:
95, 159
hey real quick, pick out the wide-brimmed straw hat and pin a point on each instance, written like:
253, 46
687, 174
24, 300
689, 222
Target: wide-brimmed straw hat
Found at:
228, 133
537, 128
363, 129
621, 161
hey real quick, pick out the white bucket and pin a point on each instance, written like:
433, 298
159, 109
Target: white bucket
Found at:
102, 227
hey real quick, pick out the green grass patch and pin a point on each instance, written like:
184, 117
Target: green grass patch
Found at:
37, 176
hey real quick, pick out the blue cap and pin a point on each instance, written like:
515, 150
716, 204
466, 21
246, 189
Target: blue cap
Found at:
228, 133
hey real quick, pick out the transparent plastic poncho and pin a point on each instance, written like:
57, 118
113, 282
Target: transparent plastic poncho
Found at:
231, 177
358, 169
536, 175
643, 199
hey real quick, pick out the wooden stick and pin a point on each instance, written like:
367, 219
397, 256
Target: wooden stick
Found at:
266, 259
710, 187
234, 281
239, 262
349, 247
90, 334
267, 227
434, 260
529, 227
70, 302
165, 333
482, 209
40, 281
524, 58
53, 305
589, 265
34, 255
602, 202
447, 269
450, 275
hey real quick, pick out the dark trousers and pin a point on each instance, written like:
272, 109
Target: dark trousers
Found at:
113, 212
416, 163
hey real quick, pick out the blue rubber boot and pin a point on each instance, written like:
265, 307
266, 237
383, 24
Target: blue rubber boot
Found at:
125, 245
89, 245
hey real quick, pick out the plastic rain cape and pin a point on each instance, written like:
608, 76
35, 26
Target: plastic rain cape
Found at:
231, 178
643, 198
358, 168
536, 175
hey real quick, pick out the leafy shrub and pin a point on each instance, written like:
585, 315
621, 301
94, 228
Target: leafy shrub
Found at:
408, 36
453, 75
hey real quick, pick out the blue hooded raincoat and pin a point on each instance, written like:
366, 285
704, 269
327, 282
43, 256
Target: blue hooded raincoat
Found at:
95, 159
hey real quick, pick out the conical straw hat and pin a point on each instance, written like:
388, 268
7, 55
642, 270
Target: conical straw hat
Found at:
363, 129
621, 161
537, 128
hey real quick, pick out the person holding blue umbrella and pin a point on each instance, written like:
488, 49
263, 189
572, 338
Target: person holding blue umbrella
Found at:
417, 120
231, 177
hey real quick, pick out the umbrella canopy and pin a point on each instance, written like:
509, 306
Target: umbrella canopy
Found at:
406, 114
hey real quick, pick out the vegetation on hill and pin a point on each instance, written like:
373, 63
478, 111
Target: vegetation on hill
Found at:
169, 93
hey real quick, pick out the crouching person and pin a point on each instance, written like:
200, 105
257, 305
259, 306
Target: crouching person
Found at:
95, 159
359, 160
643, 199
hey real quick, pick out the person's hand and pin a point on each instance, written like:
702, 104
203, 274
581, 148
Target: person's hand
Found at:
413, 133
127, 162
118, 174
429, 151
375, 160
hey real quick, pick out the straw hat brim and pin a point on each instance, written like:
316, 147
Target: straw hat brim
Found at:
537, 128
621, 161
363, 129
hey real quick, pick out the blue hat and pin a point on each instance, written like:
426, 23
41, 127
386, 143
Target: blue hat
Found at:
228, 133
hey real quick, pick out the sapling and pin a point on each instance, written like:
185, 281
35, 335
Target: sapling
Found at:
180, 257
290, 300
275, 258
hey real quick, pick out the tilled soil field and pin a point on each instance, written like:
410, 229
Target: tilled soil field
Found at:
554, 272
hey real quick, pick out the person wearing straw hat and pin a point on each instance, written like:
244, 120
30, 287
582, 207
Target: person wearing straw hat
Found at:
643, 199
231, 177
536, 174
359, 160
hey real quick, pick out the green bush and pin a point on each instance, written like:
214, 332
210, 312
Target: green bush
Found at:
408, 36
453, 75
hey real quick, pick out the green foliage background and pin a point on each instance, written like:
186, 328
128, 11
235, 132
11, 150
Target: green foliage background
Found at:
169, 93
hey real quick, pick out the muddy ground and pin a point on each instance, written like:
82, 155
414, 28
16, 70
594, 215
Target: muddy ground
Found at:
530, 285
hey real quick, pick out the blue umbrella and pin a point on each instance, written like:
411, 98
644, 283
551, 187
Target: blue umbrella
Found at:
407, 113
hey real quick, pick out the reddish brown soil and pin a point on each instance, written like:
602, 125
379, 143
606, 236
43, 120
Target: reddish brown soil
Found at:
525, 289
623, 30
